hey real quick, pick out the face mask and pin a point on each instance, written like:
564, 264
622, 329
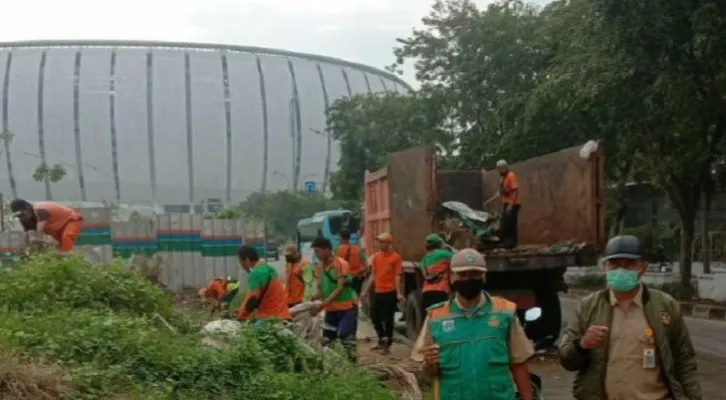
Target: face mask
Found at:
469, 288
622, 280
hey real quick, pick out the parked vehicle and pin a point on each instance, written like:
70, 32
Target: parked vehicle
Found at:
272, 250
561, 224
326, 224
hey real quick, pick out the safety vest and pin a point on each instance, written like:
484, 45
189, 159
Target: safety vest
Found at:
473, 350
435, 268
351, 254
294, 282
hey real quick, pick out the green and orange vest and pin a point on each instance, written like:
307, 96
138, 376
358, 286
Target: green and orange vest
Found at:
473, 350
347, 299
435, 268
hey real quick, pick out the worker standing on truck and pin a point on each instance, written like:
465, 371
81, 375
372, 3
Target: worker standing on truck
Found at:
299, 276
435, 269
339, 298
355, 258
509, 194
473, 345
60, 222
387, 269
220, 291
629, 341
266, 297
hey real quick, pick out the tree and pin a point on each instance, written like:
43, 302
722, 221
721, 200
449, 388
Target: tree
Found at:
369, 127
53, 173
281, 210
482, 66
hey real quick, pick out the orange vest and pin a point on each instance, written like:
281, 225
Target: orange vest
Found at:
351, 254
59, 217
294, 281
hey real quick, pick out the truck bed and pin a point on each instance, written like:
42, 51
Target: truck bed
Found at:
560, 222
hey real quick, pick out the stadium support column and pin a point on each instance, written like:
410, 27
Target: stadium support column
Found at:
7, 135
190, 141
297, 143
383, 83
77, 124
41, 133
326, 102
347, 82
150, 124
265, 126
112, 123
227, 125
368, 83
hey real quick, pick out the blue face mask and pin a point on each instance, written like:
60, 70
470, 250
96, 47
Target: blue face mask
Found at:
622, 280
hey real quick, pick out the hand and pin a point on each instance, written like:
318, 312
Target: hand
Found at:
510, 207
431, 354
363, 294
400, 297
316, 310
594, 337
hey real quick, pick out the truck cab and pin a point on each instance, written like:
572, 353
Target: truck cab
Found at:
561, 224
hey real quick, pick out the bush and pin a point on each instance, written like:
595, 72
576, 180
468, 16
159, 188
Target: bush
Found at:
98, 324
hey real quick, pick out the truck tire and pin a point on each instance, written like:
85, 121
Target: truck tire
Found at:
415, 314
550, 323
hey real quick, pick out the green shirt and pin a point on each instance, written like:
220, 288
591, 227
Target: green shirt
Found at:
260, 276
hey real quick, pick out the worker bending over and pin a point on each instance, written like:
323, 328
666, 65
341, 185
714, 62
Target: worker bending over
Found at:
220, 292
266, 297
60, 222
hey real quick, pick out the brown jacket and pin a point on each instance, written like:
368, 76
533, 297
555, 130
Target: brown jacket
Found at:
672, 341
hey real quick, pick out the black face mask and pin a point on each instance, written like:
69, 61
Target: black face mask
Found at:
469, 288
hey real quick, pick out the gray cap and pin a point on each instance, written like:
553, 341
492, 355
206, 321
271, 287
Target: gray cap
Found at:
624, 246
468, 260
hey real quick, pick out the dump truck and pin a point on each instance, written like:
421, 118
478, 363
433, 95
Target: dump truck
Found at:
561, 224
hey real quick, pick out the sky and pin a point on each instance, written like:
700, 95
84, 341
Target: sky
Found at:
355, 30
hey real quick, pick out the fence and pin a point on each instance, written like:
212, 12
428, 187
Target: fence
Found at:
193, 249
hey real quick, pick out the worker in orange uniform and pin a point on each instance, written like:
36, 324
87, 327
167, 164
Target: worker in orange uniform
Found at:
299, 276
509, 194
386, 272
266, 297
220, 292
435, 270
60, 222
355, 258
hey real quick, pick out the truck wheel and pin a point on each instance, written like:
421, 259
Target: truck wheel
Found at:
414, 314
550, 323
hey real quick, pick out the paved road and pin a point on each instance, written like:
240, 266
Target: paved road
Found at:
709, 339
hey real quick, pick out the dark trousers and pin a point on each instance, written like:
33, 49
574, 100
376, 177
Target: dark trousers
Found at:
508, 230
384, 311
343, 326
358, 283
433, 297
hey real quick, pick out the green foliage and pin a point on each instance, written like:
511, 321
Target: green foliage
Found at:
53, 173
281, 210
97, 322
371, 126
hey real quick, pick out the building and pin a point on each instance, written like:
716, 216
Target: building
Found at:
169, 123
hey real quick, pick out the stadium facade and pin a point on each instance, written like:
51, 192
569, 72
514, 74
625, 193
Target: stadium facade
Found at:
169, 123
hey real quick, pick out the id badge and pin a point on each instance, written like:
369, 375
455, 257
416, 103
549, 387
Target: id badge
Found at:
649, 358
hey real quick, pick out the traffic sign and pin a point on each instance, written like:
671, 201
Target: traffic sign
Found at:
310, 187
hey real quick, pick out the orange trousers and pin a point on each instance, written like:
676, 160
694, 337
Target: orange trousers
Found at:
67, 237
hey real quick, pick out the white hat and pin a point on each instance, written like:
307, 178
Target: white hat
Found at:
502, 163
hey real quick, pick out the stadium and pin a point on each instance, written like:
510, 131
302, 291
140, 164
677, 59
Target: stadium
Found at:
169, 124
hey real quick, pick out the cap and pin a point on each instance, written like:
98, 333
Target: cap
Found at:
468, 260
502, 163
624, 246
434, 238
384, 237
289, 250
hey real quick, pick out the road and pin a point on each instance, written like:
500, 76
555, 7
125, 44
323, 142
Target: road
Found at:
709, 339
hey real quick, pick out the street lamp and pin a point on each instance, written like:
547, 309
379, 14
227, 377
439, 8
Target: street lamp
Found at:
284, 177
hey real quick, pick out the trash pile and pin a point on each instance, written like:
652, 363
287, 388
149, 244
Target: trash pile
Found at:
463, 227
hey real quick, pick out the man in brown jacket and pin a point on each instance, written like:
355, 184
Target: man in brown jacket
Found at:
629, 342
